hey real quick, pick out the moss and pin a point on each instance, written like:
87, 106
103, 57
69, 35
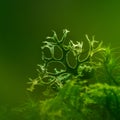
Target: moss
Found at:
86, 88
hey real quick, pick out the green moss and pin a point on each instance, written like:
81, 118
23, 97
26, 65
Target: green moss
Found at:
83, 88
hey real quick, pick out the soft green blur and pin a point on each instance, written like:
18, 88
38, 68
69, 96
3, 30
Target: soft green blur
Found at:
24, 24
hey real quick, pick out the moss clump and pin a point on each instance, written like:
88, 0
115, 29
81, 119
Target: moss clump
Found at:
76, 83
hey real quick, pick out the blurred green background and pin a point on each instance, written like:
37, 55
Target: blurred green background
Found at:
24, 24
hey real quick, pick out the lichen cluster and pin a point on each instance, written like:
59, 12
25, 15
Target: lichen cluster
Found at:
61, 61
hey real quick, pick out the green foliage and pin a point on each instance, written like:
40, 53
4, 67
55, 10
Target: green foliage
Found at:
79, 102
75, 83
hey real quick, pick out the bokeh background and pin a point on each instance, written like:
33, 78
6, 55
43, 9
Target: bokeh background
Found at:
24, 24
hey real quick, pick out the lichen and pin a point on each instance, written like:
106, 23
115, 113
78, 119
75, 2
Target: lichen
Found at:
63, 68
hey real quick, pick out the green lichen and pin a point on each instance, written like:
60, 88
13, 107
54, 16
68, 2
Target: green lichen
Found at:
63, 67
